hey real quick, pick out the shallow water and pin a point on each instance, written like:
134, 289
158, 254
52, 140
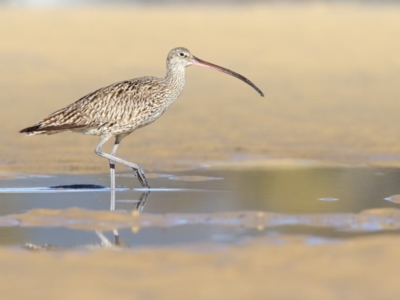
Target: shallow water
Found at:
213, 206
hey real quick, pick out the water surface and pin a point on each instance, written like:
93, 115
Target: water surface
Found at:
318, 202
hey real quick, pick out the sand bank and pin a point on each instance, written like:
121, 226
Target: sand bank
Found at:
287, 268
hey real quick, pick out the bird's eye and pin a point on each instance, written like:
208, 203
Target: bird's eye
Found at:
181, 54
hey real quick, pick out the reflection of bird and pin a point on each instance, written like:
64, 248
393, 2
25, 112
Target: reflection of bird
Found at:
137, 209
119, 109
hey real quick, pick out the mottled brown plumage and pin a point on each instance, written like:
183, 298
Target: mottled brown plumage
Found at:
117, 109
120, 108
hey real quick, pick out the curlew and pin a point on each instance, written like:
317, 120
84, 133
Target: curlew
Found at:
120, 108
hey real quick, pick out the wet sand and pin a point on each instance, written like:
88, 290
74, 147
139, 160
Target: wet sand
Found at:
330, 75
363, 268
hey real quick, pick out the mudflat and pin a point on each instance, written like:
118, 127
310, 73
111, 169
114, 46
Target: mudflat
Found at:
330, 75
357, 269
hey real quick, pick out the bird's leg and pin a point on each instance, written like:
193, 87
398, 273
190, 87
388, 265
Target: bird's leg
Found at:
112, 171
112, 158
112, 174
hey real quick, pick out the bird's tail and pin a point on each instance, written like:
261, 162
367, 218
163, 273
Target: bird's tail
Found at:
32, 130
52, 124
41, 128
48, 126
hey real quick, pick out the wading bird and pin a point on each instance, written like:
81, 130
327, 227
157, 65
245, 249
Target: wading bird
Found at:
120, 108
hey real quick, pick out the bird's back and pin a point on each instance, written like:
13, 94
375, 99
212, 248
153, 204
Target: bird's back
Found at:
115, 109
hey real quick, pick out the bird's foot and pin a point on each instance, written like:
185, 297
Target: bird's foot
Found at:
142, 178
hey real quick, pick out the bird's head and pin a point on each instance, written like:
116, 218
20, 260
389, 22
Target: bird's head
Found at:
181, 57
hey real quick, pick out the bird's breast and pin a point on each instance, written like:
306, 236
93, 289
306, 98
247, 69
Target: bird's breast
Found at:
156, 103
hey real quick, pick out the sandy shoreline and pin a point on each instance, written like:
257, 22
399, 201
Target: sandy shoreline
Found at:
363, 268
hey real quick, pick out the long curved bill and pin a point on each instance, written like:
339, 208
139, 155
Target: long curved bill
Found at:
198, 62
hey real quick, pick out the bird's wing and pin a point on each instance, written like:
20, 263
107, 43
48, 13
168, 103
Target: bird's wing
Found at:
105, 106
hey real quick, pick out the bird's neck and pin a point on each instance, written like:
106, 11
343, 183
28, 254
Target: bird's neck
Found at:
175, 77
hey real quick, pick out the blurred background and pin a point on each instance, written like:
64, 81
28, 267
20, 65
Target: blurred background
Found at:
330, 72
151, 2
